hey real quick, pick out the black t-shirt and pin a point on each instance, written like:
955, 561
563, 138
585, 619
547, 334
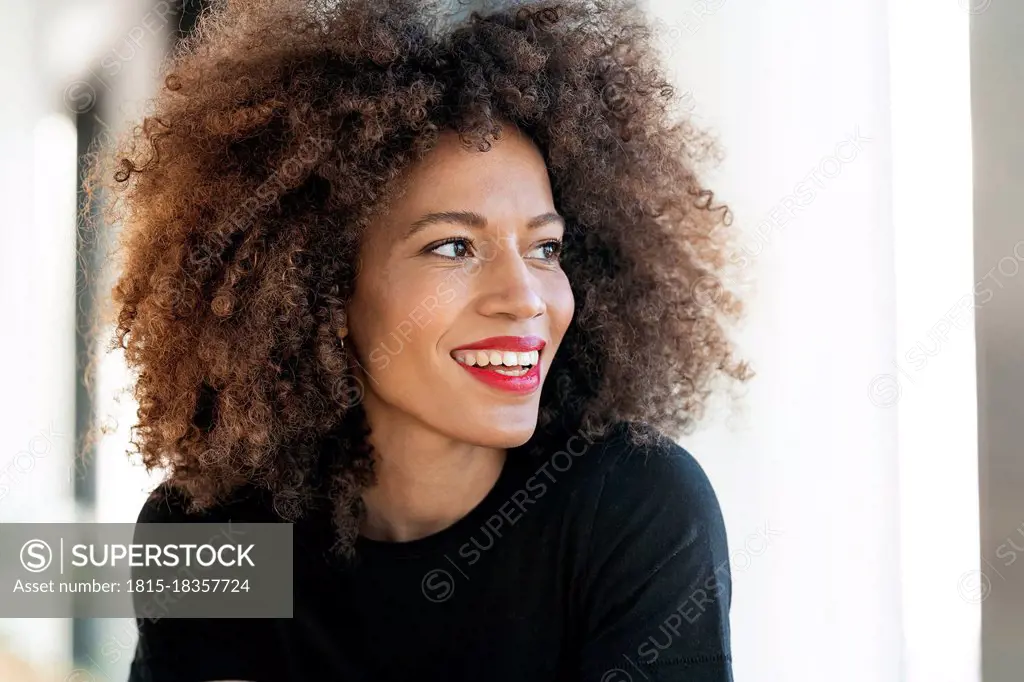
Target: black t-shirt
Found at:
603, 562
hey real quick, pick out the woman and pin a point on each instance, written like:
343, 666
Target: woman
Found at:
435, 294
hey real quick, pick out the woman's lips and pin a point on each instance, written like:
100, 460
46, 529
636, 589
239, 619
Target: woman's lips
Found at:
519, 344
489, 359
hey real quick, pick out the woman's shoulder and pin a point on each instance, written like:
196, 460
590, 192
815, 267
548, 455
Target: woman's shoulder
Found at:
642, 482
170, 503
636, 457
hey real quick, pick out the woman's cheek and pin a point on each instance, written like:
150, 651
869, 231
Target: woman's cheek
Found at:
445, 292
563, 305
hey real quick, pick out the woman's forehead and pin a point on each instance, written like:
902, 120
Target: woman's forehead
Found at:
510, 176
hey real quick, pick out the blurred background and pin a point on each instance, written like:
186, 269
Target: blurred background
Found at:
870, 475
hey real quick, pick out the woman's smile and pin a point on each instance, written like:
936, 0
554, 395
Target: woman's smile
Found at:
509, 363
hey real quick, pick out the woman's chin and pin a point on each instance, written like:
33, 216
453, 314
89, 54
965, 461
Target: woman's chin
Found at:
507, 431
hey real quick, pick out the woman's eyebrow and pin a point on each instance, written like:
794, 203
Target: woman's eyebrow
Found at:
475, 220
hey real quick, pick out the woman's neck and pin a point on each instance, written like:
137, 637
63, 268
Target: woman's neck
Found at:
426, 481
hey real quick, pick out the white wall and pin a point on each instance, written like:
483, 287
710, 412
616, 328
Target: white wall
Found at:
932, 379
863, 483
37, 283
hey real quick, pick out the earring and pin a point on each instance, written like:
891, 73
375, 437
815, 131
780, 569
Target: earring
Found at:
342, 332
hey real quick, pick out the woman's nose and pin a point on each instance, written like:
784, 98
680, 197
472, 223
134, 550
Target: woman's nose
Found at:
509, 288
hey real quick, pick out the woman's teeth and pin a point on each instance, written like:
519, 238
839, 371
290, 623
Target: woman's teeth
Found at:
518, 363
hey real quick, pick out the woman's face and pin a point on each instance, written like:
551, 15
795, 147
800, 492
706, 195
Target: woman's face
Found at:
460, 303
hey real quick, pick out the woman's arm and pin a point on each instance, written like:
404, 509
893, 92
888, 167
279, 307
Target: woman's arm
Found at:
196, 649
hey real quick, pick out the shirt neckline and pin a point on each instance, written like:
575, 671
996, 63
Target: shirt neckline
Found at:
461, 529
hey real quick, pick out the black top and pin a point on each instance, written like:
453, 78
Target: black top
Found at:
605, 562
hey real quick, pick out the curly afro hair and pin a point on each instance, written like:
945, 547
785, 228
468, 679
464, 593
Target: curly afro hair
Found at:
280, 129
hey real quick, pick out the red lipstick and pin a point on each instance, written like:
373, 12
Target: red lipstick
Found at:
519, 344
516, 384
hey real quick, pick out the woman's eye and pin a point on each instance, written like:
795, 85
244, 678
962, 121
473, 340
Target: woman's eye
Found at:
547, 251
456, 248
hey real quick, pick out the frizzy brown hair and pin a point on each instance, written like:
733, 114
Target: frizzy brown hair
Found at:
281, 128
